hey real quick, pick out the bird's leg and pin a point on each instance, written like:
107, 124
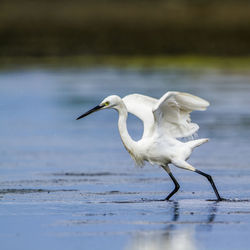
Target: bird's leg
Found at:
177, 186
183, 164
210, 179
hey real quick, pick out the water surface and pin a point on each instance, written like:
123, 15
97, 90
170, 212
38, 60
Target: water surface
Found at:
67, 184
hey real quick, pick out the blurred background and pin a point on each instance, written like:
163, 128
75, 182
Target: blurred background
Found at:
53, 29
67, 184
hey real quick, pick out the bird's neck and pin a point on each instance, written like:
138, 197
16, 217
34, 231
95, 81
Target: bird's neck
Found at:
128, 142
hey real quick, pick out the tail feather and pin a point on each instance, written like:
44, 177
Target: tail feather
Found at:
197, 143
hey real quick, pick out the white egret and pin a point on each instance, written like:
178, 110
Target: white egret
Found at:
165, 120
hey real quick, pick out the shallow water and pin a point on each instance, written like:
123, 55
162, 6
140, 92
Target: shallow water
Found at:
67, 184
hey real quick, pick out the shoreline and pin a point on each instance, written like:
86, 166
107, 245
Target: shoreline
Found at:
181, 61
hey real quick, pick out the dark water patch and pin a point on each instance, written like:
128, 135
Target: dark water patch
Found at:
231, 200
46, 182
31, 190
152, 179
156, 200
61, 181
99, 214
237, 200
93, 234
239, 212
146, 222
113, 192
121, 202
184, 222
83, 222
198, 222
129, 201
91, 174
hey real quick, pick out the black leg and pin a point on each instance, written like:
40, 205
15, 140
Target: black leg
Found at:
177, 186
211, 182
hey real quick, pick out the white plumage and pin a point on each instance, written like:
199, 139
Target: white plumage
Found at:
165, 120
170, 114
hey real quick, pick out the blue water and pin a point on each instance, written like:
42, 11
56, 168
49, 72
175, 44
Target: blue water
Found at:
67, 184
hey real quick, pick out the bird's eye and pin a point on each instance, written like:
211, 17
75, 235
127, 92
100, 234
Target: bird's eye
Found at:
106, 103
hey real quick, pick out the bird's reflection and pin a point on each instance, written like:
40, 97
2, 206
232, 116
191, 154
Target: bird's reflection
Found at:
174, 236
208, 224
175, 217
176, 212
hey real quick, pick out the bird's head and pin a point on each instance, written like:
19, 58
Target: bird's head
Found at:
111, 101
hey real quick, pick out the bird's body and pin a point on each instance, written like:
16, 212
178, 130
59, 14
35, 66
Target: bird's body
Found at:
158, 145
165, 120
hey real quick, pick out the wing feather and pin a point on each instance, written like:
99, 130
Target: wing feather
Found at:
169, 115
172, 113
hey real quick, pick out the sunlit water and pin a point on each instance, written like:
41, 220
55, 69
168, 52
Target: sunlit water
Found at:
67, 184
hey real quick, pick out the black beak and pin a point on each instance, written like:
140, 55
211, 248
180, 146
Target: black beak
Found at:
90, 111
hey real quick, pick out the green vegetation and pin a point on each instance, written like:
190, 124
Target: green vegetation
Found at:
189, 62
138, 31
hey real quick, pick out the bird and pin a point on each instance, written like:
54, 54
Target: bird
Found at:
166, 121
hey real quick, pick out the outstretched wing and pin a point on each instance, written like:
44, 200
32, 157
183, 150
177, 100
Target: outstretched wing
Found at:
172, 113
142, 107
